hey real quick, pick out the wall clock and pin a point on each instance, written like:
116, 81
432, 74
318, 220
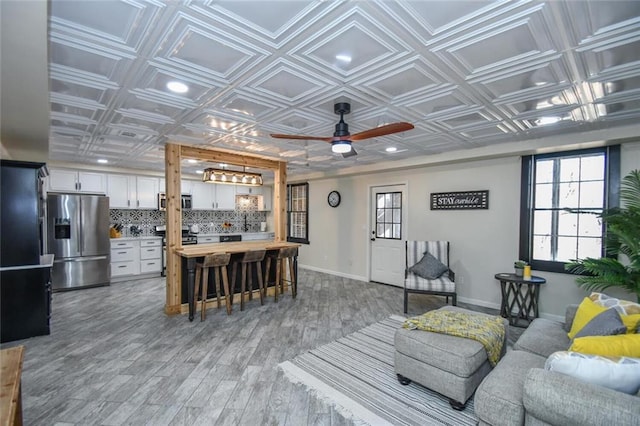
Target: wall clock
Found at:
334, 198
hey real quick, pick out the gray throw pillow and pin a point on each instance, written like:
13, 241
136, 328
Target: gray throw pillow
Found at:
429, 267
606, 323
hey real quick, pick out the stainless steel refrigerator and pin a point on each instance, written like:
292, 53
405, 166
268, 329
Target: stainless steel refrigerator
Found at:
78, 236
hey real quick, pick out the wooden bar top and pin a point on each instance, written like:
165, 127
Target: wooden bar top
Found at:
10, 393
200, 250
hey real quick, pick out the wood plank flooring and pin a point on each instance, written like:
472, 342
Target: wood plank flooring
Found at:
114, 357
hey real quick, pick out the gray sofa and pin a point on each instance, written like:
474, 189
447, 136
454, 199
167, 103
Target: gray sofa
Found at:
520, 391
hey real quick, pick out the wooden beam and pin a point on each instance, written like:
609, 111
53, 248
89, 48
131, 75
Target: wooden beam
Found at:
280, 201
174, 153
172, 167
228, 158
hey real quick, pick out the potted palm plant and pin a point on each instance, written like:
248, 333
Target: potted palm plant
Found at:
621, 266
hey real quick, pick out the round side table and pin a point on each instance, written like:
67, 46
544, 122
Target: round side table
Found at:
521, 294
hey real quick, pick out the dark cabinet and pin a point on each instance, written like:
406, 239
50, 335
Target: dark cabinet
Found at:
25, 284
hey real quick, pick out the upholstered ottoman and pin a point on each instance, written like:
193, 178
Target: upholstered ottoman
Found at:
452, 366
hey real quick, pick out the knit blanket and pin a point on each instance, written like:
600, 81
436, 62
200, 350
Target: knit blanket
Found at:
488, 330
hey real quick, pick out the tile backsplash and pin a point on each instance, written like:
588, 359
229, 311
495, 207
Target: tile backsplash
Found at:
209, 221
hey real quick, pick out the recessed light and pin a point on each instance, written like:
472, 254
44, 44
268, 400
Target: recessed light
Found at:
547, 120
192, 161
103, 160
391, 149
177, 87
344, 58
199, 172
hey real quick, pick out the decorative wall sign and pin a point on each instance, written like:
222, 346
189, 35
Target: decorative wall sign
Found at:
460, 200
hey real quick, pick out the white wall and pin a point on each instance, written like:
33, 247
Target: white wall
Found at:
483, 242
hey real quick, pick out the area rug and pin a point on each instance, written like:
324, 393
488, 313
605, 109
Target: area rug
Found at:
355, 375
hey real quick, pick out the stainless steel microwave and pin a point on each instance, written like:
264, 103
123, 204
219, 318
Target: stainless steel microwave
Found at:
185, 200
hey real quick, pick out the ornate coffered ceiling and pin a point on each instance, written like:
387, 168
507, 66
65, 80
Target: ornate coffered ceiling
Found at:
466, 74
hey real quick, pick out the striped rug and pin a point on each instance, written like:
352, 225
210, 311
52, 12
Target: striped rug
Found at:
355, 375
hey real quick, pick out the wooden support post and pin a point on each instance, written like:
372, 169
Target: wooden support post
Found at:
280, 201
172, 160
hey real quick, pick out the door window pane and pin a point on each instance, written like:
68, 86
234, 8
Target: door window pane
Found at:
389, 215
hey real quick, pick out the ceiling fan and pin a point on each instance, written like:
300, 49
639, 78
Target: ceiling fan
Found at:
341, 139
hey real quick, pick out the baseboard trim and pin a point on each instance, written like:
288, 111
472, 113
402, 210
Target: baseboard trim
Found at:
339, 274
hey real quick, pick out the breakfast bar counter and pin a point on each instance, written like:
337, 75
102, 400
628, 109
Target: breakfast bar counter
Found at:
191, 253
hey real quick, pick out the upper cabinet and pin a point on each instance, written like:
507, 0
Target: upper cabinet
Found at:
225, 197
248, 190
265, 201
203, 195
132, 192
211, 196
61, 180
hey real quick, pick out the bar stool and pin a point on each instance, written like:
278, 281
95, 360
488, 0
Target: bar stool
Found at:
218, 262
252, 257
281, 258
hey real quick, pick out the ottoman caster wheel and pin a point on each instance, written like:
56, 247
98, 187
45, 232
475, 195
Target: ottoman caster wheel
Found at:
403, 380
458, 406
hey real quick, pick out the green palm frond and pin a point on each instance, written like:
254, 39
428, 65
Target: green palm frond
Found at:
622, 243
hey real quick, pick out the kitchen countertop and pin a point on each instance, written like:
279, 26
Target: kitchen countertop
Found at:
46, 261
266, 234
148, 237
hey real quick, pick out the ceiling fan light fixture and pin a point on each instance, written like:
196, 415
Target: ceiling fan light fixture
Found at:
341, 146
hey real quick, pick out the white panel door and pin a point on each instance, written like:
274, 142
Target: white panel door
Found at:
388, 217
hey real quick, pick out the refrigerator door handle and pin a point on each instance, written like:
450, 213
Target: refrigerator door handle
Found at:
80, 259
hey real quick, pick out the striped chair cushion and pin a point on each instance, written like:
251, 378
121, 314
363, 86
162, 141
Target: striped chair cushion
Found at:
443, 284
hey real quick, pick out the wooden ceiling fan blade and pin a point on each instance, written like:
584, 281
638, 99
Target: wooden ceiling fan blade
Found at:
351, 153
387, 129
301, 137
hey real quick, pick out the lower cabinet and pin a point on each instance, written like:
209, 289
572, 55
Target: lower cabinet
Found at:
150, 256
130, 258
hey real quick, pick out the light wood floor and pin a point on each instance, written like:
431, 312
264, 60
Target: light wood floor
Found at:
114, 357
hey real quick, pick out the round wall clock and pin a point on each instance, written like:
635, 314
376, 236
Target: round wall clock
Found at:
334, 198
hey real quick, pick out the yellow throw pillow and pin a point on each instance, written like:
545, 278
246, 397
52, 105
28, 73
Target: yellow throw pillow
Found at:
629, 311
585, 313
620, 345
631, 322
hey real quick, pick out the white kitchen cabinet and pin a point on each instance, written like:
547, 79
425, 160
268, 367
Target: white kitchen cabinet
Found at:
150, 256
208, 240
248, 190
203, 196
76, 181
118, 191
125, 258
265, 201
132, 192
131, 258
225, 197
146, 192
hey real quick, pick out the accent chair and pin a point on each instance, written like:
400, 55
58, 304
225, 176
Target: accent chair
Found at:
427, 270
